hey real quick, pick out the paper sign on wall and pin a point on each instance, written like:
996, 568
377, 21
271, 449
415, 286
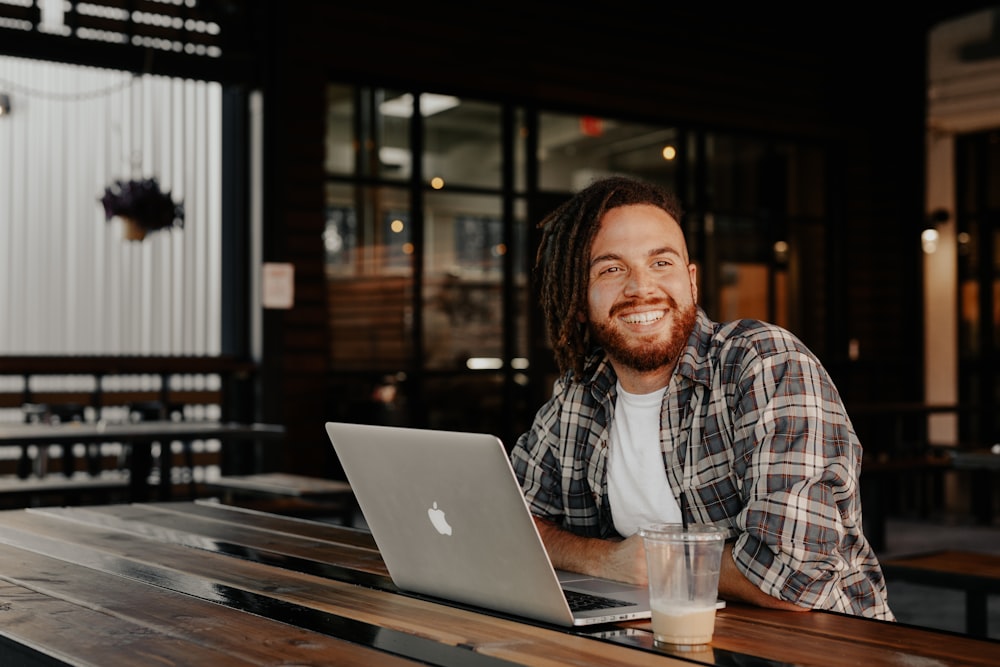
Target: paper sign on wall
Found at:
278, 285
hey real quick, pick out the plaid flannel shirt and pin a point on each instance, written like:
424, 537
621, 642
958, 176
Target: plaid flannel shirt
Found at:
755, 435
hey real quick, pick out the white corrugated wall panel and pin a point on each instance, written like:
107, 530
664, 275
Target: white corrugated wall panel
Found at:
69, 282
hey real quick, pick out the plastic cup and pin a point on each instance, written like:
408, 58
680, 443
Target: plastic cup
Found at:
683, 570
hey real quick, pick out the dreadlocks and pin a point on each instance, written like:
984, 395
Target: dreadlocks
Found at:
562, 265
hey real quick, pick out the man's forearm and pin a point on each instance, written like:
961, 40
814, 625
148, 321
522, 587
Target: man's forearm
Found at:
622, 560
733, 585
625, 560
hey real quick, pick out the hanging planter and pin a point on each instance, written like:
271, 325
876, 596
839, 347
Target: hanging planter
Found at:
142, 206
132, 230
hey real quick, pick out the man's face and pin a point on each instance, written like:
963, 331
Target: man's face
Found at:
642, 290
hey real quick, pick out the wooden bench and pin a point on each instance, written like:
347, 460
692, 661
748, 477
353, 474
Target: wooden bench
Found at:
288, 494
102, 382
57, 489
880, 488
977, 574
982, 465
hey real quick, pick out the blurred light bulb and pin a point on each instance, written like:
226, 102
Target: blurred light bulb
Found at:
928, 239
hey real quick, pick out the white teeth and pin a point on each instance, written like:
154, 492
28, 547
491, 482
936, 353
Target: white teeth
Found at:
643, 318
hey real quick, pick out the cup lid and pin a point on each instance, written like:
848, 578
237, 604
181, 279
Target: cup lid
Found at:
697, 532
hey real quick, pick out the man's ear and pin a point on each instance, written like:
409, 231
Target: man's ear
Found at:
693, 275
581, 317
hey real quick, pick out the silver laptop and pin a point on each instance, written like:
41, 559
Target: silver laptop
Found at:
450, 521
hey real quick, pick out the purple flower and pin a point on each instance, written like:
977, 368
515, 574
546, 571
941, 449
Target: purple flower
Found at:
144, 202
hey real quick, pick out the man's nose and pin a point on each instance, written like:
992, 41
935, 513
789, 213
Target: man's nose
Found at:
639, 282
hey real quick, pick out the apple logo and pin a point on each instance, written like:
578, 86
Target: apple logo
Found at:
437, 518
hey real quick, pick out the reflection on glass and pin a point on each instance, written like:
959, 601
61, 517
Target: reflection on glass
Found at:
462, 287
764, 207
969, 321
743, 239
574, 149
369, 270
398, 244
805, 170
387, 134
735, 168
462, 141
743, 292
465, 402
479, 243
339, 142
465, 252
340, 238
368, 132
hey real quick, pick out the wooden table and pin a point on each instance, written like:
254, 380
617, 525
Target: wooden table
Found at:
195, 583
288, 494
976, 574
139, 436
983, 466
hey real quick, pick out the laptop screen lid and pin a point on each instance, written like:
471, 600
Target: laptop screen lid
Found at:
450, 521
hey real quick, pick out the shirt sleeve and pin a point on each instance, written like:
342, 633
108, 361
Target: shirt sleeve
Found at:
535, 464
800, 480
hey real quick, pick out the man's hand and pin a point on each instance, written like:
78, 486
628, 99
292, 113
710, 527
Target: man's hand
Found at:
625, 560
621, 560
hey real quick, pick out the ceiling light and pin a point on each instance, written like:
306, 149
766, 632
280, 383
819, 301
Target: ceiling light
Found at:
430, 104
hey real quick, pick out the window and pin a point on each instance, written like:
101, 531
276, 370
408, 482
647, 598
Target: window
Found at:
575, 149
429, 255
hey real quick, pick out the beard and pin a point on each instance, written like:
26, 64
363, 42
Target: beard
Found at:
646, 355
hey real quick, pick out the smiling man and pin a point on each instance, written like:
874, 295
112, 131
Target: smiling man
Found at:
662, 414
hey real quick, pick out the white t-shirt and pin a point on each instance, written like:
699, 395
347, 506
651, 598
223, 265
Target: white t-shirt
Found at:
637, 483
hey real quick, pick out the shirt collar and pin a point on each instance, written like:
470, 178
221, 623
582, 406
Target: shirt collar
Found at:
695, 363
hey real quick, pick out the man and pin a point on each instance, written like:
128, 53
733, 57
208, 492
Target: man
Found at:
662, 414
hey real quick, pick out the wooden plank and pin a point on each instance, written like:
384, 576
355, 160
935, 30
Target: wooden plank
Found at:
951, 562
121, 364
976, 574
826, 639
83, 637
285, 484
58, 482
284, 493
125, 622
195, 531
11, 399
282, 524
114, 398
217, 519
143, 431
57, 489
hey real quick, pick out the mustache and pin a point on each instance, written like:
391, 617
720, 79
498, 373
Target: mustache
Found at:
668, 303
